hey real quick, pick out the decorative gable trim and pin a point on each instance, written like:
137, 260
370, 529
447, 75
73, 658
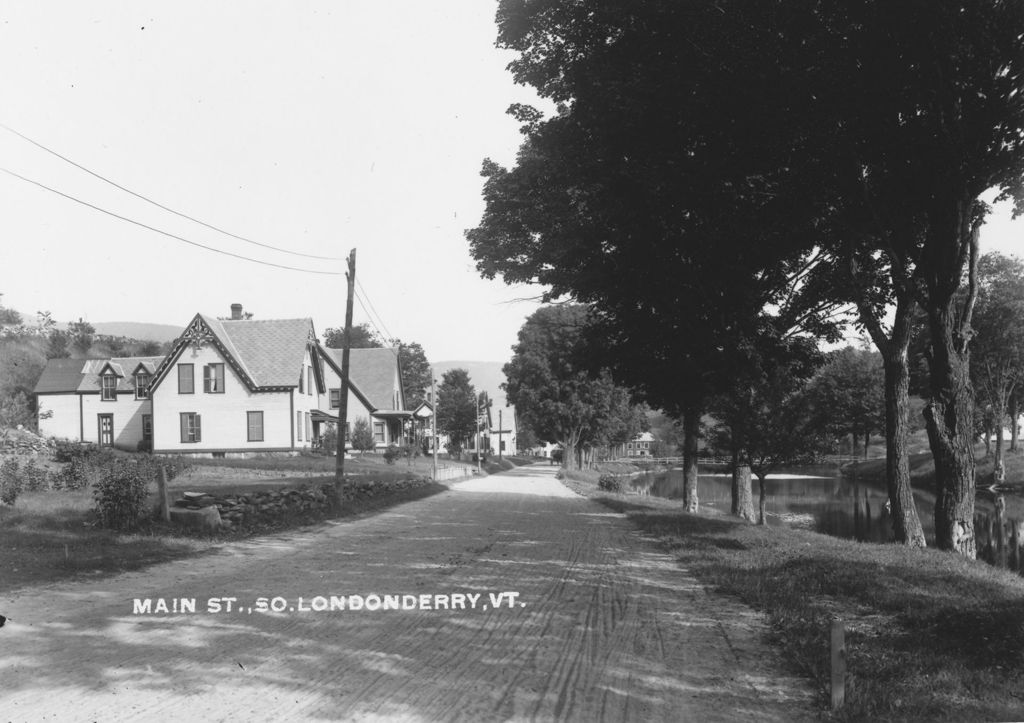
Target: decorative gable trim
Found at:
197, 335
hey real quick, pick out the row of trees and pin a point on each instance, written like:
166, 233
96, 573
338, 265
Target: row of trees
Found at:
721, 177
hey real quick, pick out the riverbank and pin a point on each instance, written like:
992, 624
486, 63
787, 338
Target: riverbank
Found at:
930, 636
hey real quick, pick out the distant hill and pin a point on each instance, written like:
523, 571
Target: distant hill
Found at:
138, 330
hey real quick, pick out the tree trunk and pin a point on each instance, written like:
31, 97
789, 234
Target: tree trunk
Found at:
691, 431
988, 439
1014, 413
997, 462
745, 496
867, 441
762, 519
949, 415
906, 524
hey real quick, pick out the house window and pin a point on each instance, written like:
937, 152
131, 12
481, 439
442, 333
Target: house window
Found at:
186, 380
191, 429
629, 445
147, 427
335, 399
213, 378
302, 381
309, 427
254, 423
647, 445
378, 432
309, 381
108, 392
298, 424
141, 385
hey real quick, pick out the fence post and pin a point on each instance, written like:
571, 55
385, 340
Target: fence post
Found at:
838, 657
165, 507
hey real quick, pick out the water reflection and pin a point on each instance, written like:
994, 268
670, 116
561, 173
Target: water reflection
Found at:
813, 498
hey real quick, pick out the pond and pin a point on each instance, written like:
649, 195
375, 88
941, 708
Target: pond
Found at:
813, 498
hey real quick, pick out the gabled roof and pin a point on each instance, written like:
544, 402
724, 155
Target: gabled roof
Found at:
371, 372
266, 353
83, 375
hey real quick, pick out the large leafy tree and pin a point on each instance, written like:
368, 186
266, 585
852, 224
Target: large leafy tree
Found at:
849, 391
456, 409
652, 194
416, 372
555, 392
362, 337
997, 357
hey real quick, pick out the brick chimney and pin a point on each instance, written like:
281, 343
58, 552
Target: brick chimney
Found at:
236, 311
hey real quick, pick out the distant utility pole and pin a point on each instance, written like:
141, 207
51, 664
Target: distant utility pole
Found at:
339, 473
433, 421
479, 451
500, 430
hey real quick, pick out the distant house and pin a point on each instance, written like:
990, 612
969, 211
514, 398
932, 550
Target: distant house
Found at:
229, 386
639, 446
104, 401
375, 392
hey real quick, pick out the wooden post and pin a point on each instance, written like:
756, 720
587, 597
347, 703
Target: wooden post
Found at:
339, 468
1000, 531
433, 420
1015, 535
161, 483
838, 657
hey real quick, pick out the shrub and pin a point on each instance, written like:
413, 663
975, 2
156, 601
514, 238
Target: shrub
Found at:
144, 445
10, 481
65, 450
392, 453
33, 478
120, 495
329, 440
609, 483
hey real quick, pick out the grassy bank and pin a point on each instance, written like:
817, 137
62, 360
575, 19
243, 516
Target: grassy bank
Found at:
930, 636
49, 537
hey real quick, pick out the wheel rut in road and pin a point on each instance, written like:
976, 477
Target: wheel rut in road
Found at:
604, 626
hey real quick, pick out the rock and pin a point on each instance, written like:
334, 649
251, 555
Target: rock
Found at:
206, 519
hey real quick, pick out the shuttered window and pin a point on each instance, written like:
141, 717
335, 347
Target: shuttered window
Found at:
191, 427
213, 378
255, 426
186, 379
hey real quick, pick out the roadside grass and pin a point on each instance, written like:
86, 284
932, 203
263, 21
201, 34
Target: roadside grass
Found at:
930, 636
48, 536
493, 465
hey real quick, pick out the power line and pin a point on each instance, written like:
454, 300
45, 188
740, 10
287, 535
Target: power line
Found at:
160, 205
165, 233
367, 296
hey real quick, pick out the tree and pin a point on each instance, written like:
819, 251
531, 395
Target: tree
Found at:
456, 409
57, 345
849, 391
9, 317
416, 372
997, 358
362, 435
363, 337
81, 333
555, 394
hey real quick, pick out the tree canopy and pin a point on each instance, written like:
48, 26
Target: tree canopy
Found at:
456, 409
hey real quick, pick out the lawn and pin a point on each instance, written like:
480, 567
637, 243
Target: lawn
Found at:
930, 636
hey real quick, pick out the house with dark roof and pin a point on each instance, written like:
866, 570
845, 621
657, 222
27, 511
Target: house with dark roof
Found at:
228, 386
376, 393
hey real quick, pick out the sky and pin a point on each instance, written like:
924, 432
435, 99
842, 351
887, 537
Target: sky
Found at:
316, 127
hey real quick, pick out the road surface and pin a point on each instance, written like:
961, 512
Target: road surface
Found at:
588, 621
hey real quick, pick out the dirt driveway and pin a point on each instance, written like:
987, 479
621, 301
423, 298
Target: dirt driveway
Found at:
589, 621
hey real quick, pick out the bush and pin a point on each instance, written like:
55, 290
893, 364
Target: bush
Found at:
329, 440
144, 445
65, 450
120, 495
392, 453
33, 478
609, 483
10, 481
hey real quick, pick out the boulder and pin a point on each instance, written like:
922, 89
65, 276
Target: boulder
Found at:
206, 519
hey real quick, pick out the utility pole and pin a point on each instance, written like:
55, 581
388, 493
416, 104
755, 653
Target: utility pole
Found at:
339, 473
433, 421
500, 430
479, 452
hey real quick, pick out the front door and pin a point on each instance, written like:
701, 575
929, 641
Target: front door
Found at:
106, 430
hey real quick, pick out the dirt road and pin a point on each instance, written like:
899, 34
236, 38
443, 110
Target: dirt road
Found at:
603, 626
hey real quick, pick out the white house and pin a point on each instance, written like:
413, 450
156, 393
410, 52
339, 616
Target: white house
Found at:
228, 386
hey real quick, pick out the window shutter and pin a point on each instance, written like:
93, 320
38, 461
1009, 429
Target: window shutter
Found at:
184, 427
199, 434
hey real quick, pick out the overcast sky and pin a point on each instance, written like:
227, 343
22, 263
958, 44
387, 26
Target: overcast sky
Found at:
317, 127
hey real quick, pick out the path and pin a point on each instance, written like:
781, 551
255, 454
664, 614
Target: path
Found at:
605, 626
